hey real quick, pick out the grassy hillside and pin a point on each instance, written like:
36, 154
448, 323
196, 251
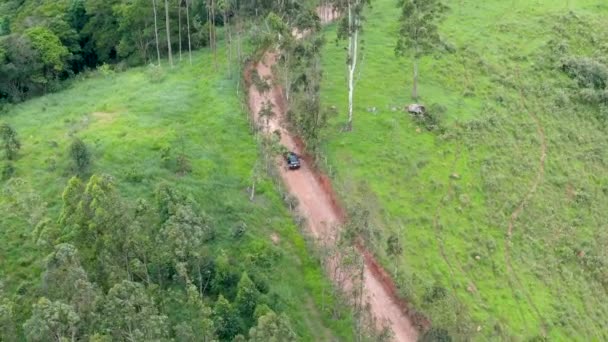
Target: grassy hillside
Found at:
128, 120
518, 151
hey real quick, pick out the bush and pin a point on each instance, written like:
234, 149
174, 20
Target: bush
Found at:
8, 170
10, 142
105, 70
262, 85
431, 119
80, 156
134, 176
588, 72
155, 73
436, 335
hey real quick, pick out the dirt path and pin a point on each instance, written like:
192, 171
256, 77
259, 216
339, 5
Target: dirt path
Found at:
540, 173
317, 203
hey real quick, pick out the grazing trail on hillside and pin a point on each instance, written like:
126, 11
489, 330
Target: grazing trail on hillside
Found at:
318, 203
540, 173
457, 266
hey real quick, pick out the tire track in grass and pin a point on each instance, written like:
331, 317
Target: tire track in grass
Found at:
437, 227
458, 267
538, 179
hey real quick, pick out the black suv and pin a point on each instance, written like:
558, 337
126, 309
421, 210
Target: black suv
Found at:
293, 162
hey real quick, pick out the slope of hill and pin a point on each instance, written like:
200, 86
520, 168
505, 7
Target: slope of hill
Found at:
185, 127
501, 211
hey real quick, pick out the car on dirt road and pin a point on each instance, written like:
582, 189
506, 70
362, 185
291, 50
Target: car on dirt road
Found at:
293, 161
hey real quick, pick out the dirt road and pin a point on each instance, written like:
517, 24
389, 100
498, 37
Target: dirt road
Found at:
318, 205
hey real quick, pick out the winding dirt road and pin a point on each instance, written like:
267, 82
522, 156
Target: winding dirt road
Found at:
318, 204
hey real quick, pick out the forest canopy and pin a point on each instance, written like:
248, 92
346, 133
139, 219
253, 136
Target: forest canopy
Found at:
43, 42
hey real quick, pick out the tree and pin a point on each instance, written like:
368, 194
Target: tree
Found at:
225, 7
272, 328
350, 29
64, 279
53, 55
247, 297
197, 325
168, 27
188, 27
96, 220
71, 197
179, 27
10, 141
136, 35
156, 31
19, 66
51, 321
8, 331
212, 32
101, 30
225, 319
80, 156
130, 314
418, 32
61, 273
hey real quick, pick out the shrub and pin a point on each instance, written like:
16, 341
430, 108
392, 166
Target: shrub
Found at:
431, 119
8, 170
155, 73
80, 156
436, 335
105, 70
10, 142
588, 72
134, 176
262, 85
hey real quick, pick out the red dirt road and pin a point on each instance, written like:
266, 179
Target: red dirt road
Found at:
318, 205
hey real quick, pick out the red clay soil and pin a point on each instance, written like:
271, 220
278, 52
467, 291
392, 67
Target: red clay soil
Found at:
323, 212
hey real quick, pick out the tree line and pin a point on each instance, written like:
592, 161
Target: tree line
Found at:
45, 42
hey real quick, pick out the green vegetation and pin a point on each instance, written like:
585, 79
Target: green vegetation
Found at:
500, 205
160, 213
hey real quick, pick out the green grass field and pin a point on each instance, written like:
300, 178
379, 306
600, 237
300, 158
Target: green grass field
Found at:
449, 196
127, 119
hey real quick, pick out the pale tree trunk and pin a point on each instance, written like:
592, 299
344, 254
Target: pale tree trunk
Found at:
156, 32
229, 38
179, 24
238, 39
353, 51
168, 33
209, 24
415, 86
188, 24
214, 33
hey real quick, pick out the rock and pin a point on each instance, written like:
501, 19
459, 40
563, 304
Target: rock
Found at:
477, 257
455, 176
417, 109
